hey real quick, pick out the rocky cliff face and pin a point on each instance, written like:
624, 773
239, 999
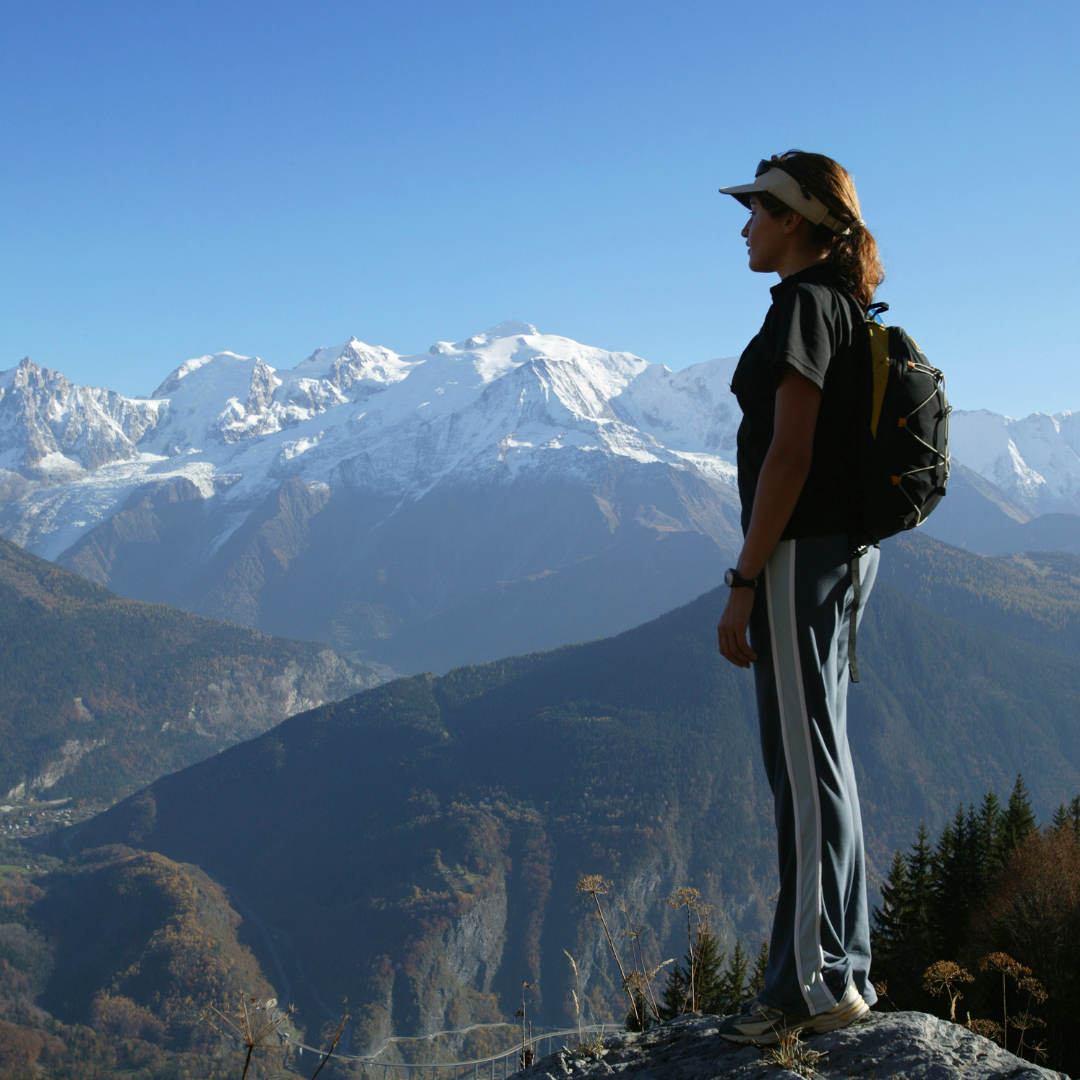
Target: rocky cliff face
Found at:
908, 1046
100, 695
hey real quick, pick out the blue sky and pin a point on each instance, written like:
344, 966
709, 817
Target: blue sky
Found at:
180, 178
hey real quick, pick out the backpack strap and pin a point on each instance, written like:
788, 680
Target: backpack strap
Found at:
856, 586
879, 367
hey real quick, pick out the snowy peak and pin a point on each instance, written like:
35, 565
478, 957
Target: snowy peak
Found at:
1034, 460
352, 362
510, 328
212, 366
692, 410
54, 428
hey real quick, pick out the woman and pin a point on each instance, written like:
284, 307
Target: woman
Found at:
793, 584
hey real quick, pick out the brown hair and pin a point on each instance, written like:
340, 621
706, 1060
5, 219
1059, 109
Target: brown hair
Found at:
854, 255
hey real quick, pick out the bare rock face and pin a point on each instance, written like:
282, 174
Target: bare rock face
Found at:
902, 1045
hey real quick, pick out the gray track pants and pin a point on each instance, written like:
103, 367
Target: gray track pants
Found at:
799, 630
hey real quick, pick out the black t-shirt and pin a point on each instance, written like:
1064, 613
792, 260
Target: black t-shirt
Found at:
814, 326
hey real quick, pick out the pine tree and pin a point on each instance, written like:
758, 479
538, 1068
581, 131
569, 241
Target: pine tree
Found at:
891, 919
708, 974
734, 981
757, 976
921, 876
953, 885
707, 965
988, 839
971, 861
1018, 820
1067, 818
676, 997
901, 937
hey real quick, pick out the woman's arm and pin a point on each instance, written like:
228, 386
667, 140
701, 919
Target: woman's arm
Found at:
783, 475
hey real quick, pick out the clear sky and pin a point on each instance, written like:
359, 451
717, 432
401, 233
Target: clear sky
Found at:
184, 177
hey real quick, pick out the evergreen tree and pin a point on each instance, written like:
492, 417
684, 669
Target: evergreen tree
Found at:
954, 883
902, 935
889, 920
707, 964
708, 974
1067, 818
920, 931
1017, 822
987, 839
734, 981
972, 855
676, 997
757, 976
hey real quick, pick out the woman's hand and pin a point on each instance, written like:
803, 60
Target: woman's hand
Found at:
731, 629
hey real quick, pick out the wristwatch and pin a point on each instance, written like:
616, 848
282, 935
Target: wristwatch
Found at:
734, 580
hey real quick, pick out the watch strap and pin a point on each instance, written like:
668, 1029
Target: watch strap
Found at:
734, 580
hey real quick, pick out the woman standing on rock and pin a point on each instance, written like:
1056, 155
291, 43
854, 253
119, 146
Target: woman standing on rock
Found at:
793, 585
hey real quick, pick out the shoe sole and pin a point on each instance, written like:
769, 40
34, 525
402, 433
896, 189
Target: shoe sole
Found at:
817, 1025
769, 1037
830, 1021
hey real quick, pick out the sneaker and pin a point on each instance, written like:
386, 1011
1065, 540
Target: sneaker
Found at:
765, 1025
847, 1010
762, 1025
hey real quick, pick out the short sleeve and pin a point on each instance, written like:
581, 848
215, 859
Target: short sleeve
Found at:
805, 333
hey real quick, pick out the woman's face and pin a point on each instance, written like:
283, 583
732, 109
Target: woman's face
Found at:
769, 239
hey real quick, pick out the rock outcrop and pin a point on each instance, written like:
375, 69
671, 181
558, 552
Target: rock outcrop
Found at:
908, 1045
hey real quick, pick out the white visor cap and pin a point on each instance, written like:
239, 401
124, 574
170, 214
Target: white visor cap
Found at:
785, 187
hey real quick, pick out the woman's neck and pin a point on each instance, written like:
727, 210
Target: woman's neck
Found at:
800, 260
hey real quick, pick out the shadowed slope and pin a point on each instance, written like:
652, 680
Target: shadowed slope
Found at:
430, 820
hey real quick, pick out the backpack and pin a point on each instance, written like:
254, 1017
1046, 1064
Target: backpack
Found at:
904, 421
902, 440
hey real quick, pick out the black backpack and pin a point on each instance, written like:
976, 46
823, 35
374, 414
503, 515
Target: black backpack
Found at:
902, 442
903, 424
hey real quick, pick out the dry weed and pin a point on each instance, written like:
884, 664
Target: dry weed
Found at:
792, 1054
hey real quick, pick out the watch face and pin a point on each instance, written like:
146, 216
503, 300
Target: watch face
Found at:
729, 578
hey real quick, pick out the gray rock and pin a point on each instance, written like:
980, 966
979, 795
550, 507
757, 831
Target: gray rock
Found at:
881, 1047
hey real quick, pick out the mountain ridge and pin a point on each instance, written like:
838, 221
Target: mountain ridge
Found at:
303, 501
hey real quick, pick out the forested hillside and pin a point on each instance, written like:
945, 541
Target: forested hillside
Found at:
100, 695
106, 965
420, 842
1033, 596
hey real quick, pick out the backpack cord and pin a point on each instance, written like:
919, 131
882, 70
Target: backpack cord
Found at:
856, 584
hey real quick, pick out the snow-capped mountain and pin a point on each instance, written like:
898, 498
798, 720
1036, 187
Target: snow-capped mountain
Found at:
219, 490
496, 404
366, 489
1035, 461
52, 430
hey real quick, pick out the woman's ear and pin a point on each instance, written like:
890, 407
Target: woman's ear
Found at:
791, 221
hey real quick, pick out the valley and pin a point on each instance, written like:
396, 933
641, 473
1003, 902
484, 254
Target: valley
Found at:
437, 826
